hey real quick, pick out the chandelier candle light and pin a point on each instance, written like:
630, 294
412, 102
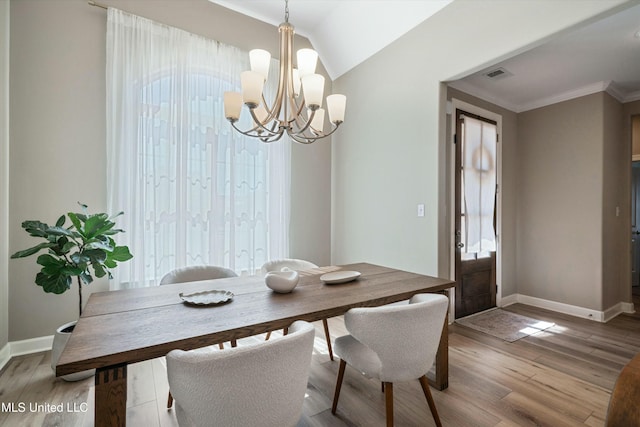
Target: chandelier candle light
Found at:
288, 112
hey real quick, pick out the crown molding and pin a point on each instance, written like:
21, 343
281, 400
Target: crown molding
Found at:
603, 86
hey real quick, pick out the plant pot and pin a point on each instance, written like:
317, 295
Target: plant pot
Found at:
62, 335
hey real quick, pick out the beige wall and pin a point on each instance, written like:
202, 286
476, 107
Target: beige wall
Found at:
4, 173
560, 218
388, 156
616, 244
509, 147
57, 106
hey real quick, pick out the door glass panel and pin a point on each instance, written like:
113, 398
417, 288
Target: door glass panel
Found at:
478, 187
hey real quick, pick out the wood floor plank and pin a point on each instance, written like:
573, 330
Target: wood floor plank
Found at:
539, 414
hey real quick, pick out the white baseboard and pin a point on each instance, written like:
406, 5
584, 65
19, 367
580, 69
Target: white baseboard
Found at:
572, 310
19, 348
33, 345
619, 308
5, 355
508, 300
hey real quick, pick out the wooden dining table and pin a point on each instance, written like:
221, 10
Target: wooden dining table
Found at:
121, 327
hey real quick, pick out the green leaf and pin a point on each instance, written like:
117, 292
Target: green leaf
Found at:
53, 283
76, 222
51, 265
35, 228
47, 259
109, 263
99, 269
95, 255
33, 250
66, 248
117, 215
80, 258
69, 270
94, 224
99, 245
113, 231
86, 278
120, 254
59, 231
60, 221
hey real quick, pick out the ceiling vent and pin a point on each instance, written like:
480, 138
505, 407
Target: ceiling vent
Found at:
497, 73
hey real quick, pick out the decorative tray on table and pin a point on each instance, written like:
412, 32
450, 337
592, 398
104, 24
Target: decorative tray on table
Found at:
339, 277
213, 297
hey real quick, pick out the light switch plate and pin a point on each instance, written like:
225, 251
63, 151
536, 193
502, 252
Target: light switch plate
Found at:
421, 209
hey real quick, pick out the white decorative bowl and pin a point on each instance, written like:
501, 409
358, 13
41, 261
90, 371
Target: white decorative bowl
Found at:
282, 282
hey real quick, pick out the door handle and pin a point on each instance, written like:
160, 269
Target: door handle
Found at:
460, 245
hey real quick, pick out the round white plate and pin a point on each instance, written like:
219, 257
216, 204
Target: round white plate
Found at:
339, 277
207, 297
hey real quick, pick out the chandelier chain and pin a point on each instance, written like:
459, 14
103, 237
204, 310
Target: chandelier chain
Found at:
286, 10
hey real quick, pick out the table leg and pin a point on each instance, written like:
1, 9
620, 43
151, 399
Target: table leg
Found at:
111, 396
441, 379
442, 358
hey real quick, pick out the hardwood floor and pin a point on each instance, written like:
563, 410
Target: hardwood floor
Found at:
560, 377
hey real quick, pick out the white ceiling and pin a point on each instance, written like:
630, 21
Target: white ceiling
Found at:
339, 31
604, 55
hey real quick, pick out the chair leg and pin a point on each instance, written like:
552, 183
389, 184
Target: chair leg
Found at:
388, 398
328, 337
169, 401
432, 405
336, 395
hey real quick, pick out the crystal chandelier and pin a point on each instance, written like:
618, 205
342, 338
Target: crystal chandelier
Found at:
287, 113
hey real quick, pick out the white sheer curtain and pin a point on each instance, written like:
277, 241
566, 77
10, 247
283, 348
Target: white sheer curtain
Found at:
193, 190
479, 175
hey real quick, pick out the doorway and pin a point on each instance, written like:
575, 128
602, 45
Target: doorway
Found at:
476, 210
635, 205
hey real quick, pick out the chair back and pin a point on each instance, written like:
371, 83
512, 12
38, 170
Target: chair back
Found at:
261, 384
292, 263
404, 337
196, 272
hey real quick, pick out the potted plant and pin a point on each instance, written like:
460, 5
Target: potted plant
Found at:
82, 250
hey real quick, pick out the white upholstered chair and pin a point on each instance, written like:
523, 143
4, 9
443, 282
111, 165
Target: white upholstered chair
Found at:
393, 343
296, 264
193, 274
196, 272
261, 384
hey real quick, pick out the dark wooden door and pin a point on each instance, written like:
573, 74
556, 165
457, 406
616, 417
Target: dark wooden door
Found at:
475, 206
635, 226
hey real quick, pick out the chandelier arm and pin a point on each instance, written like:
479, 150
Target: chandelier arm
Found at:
300, 108
307, 125
317, 135
335, 128
298, 117
302, 139
255, 129
260, 127
272, 139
